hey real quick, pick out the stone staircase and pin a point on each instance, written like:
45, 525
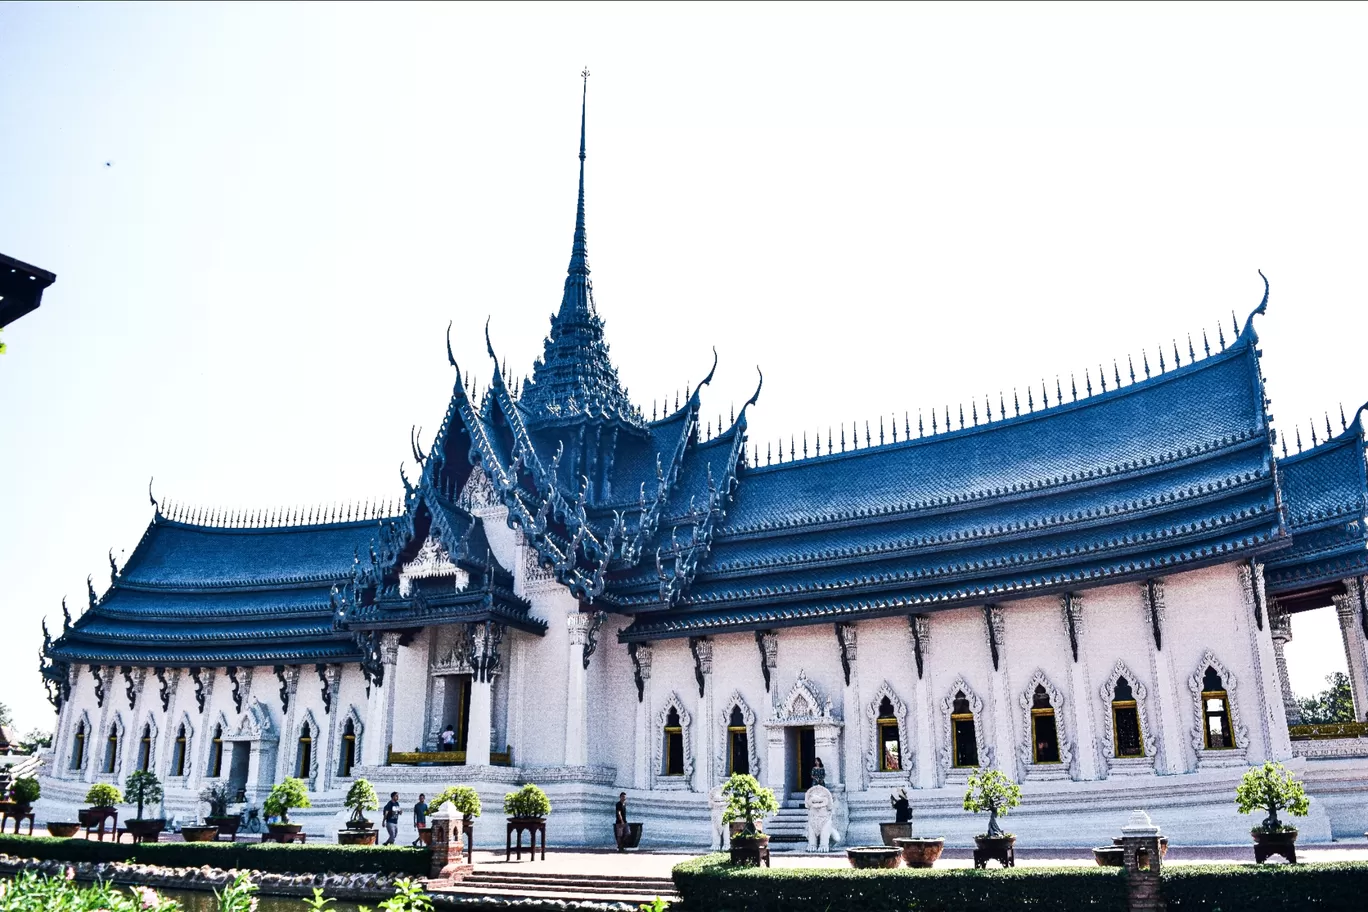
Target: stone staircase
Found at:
788, 828
601, 888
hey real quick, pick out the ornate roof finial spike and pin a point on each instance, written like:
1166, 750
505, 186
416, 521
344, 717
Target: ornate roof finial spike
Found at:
805, 444
947, 418
1177, 361
653, 410
1161, 359
973, 408
867, 437
1130, 362
961, 415
881, 431
1030, 401
1235, 324
676, 405
1044, 393
1344, 425
843, 437
155, 506
907, 424
793, 451
817, 440
1220, 335
1073, 387
1192, 354
1328, 433
1145, 356
1299, 443
1284, 447
1206, 344
1002, 405
1314, 441
1087, 379
921, 428
829, 449
1016, 402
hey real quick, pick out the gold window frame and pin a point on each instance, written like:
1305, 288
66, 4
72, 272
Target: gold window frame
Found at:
732, 731
1037, 714
78, 756
884, 723
1116, 729
1224, 697
674, 731
305, 760
954, 739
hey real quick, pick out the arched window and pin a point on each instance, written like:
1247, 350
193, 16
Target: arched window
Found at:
216, 753
890, 749
111, 748
145, 748
1216, 712
965, 746
1044, 730
305, 752
1129, 742
78, 746
348, 749
178, 754
738, 744
674, 744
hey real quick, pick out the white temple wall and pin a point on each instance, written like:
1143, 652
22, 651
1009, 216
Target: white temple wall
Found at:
612, 704
736, 671
411, 679
543, 667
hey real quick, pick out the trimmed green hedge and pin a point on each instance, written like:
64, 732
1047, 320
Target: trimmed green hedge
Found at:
1326, 886
711, 883
279, 859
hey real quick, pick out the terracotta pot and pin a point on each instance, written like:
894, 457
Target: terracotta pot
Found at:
63, 830
920, 851
199, 833
1283, 842
746, 850
227, 825
356, 836
280, 829
874, 856
894, 831
94, 816
1112, 856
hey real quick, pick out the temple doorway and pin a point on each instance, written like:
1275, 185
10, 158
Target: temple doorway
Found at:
237, 768
456, 708
802, 751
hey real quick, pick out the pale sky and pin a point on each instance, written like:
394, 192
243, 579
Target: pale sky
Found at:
262, 217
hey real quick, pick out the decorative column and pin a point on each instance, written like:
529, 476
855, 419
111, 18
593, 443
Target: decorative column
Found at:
641, 667
288, 676
1004, 744
577, 692
1280, 625
1277, 745
1080, 686
705, 730
852, 749
380, 706
1352, 608
922, 717
1172, 757
484, 659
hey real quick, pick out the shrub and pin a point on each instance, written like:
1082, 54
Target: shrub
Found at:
464, 799
991, 791
360, 798
31, 891
528, 801
269, 857
1324, 886
142, 787
711, 883
286, 796
747, 801
217, 797
1272, 788
104, 795
26, 790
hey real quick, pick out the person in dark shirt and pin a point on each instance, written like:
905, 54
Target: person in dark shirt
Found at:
620, 829
420, 812
391, 817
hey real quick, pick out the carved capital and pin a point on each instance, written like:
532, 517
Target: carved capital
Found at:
1071, 609
389, 648
1279, 622
769, 643
578, 625
919, 628
996, 626
846, 639
641, 666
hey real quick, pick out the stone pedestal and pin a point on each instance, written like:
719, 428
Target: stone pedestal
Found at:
446, 863
1349, 609
1280, 625
1140, 838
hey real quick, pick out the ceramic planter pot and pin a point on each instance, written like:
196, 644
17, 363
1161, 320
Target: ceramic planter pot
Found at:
1112, 856
282, 829
999, 848
94, 816
863, 857
746, 850
357, 836
1283, 842
145, 829
633, 838
227, 824
205, 833
894, 831
920, 851
63, 830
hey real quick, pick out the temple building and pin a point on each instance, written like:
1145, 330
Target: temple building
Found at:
1090, 591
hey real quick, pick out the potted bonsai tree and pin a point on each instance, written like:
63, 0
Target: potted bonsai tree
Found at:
23, 793
285, 797
465, 800
103, 798
360, 798
527, 803
991, 791
142, 788
217, 796
748, 802
1272, 788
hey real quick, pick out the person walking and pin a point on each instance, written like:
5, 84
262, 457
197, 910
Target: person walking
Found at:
420, 812
390, 815
620, 829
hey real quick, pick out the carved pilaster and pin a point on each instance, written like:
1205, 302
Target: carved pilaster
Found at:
1355, 647
996, 627
641, 666
389, 648
702, 650
482, 641
1071, 608
1152, 594
919, 628
1280, 626
288, 675
768, 641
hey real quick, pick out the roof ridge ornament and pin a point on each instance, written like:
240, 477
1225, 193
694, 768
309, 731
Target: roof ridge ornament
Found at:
1258, 311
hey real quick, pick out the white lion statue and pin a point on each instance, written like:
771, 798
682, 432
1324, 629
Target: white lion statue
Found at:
821, 809
721, 832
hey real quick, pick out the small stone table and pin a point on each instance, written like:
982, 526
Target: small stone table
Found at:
18, 819
532, 826
1004, 853
285, 838
145, 837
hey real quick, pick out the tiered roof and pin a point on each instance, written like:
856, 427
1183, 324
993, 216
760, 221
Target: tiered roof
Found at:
1172, 472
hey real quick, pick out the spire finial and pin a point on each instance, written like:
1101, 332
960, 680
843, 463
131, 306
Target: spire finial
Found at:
579, 256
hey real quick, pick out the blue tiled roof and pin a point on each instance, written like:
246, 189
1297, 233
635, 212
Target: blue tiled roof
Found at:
1325, 497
